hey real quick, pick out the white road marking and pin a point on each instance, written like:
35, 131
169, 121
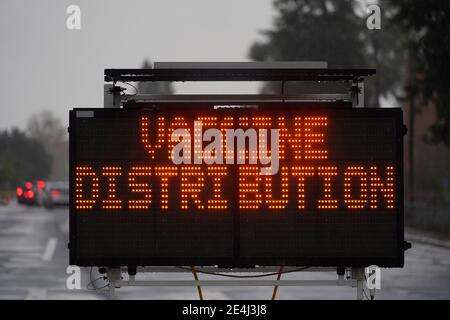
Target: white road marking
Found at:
36, 294
49, 249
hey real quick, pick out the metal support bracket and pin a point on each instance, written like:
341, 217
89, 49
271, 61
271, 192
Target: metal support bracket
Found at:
358, 277
352, 277
112, 96
114, 276
357, 93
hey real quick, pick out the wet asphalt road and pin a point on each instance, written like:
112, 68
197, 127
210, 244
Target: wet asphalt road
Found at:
34, 258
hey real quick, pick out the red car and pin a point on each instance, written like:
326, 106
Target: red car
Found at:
30, 192
26, 193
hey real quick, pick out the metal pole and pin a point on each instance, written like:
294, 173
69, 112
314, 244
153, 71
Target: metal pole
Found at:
359, 290
357, 93
114, 277
112, 293
111, 96
358, 276
361, 94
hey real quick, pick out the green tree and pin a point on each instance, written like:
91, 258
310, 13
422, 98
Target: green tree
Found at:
312, 30
49, 130
427, 26
333, 31
21, 158
385, 51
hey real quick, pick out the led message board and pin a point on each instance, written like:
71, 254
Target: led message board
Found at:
268, 184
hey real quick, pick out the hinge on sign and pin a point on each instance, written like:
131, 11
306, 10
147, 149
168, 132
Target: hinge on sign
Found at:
406, 245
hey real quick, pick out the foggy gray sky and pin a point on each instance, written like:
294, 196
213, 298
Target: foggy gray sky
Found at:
46, 66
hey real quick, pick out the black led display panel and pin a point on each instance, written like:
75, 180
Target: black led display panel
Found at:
334, 195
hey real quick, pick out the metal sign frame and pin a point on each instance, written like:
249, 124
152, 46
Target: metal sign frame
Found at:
352, 276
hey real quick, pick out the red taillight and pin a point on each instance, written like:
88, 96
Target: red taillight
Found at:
55, 193
19, 191
28, 185
41, 184
29, 194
